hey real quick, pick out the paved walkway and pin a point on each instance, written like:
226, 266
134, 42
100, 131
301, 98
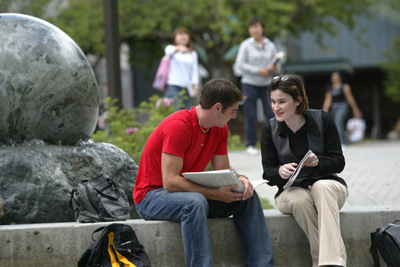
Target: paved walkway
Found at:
370, 172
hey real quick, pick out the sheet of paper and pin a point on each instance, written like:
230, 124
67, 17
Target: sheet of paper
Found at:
297, 171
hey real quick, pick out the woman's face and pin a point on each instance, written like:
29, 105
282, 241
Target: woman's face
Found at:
256, 31
182, 39
283, 105
335, 78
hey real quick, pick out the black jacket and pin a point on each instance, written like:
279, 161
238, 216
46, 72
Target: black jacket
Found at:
279, 145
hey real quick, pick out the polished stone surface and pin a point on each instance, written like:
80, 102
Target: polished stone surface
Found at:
48, 90
36, 181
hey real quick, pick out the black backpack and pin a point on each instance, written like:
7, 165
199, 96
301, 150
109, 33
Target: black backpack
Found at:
386, 240
117, 245
99, 200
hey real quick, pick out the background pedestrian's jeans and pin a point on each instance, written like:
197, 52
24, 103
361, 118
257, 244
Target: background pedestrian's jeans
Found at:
252, 93
192, 210
172, 91
339, 114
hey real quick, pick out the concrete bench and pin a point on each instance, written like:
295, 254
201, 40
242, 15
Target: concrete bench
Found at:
61, 244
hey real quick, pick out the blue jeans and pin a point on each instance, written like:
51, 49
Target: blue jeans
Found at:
339, 114
252, 94
172, 91
193, 209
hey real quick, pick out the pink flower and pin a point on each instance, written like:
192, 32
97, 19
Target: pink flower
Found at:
168, 101
165, 101
131, 130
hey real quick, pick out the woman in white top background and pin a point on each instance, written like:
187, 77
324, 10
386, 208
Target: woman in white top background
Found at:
184, 69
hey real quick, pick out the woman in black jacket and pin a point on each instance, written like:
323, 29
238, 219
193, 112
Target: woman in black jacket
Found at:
317, 194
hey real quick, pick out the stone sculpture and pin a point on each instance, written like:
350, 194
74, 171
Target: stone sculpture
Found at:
48, 111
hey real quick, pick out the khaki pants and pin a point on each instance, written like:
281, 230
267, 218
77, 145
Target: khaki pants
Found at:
316, 210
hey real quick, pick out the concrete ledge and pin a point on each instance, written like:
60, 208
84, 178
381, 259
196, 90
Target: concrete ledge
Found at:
61, 244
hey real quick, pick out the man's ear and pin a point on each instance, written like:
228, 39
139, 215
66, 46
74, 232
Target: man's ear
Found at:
218, 106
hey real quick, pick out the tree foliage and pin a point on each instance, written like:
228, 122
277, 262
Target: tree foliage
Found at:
392, 69
392, 66
216, 25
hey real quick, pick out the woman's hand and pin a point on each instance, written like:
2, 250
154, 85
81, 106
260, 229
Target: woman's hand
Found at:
312, 161
182, 48
195, 90
285, 171
263, 72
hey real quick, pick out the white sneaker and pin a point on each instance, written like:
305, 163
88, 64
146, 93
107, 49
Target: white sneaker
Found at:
252, 151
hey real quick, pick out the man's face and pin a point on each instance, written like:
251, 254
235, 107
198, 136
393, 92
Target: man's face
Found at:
222, 117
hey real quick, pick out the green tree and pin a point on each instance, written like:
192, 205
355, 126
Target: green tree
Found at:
392, 65
392, 69
216, 25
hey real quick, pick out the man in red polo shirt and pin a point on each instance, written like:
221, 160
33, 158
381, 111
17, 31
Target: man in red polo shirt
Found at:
186, 141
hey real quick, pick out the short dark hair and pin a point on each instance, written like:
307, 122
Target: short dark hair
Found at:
292, 85
254, 21
220, 91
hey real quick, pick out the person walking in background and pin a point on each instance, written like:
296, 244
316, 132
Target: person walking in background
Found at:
187, 141
318, 193
255, 63
338, 98
183, 70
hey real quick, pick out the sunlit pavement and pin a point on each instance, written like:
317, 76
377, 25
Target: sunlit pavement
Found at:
371, 173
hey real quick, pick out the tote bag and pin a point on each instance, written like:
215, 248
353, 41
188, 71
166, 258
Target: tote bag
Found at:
162, 73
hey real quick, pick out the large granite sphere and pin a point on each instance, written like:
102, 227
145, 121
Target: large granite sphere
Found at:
48, 90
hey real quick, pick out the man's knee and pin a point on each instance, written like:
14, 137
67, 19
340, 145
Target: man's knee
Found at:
198, 202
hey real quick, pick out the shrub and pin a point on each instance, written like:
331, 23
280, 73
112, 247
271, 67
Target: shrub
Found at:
128, 129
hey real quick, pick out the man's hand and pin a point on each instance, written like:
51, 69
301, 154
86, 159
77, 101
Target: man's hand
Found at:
226, 194
248, 187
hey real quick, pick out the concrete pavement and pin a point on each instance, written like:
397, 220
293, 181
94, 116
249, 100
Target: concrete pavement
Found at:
370, 172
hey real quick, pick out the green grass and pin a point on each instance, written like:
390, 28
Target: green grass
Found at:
265, 204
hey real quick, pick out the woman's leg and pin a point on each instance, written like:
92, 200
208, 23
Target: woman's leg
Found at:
265, 97
250, 112
173, 92
339, 116
299, 202
329, 197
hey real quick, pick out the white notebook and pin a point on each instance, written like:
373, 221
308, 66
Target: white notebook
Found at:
215, 179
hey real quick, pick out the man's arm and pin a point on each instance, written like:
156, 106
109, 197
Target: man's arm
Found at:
171, 167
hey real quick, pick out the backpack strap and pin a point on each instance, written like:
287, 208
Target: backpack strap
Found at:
373, 250
73, 191
374, 237
98, 230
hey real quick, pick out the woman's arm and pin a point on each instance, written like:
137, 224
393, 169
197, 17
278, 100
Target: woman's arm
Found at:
269, 158
195, 74
333, 160
242, 59
327, 101
351, 101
